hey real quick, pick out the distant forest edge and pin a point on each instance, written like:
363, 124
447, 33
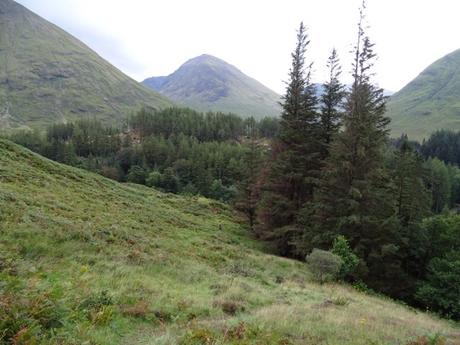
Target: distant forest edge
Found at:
176, 150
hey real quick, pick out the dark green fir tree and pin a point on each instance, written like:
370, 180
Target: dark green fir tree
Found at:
295, 161
356, 197
331, 104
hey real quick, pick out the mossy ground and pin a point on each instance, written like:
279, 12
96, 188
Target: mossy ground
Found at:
98, 262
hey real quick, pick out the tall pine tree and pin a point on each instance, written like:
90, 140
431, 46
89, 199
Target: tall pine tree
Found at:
356, 195
295, 160
331, 104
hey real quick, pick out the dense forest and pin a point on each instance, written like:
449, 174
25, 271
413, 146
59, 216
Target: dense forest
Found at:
175, 150
325, 176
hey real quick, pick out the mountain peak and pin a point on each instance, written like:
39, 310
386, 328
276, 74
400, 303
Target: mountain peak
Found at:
208, 83
205, 58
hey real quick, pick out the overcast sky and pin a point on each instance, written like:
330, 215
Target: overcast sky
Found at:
147, 38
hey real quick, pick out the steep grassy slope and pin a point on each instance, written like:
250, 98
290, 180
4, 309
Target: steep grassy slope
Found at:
110, 263
208, 83
46, 75
429, 102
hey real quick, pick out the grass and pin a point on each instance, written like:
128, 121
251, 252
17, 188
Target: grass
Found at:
48, 76
430, 102
86, 260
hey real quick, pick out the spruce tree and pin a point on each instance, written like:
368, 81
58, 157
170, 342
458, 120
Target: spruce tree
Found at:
248, 192
413, 200
356, 195
331, 104
295, 161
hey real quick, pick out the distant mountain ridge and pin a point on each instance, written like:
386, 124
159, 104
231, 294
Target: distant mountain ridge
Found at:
429, 102
209, 83
47, 75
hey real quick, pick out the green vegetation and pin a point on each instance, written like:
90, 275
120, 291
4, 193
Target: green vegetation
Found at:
85, 259
324, 265
430, 102
48, 76
331, 176
444, 145
206, 83
175, 150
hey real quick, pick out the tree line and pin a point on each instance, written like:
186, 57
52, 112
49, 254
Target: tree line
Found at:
176, 150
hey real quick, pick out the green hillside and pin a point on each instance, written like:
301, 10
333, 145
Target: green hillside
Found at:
207, 83
86, 260
48, 76
429, 102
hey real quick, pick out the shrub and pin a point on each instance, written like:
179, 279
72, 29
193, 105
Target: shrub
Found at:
167, 182
154, 179
342, 249
110, 172
441, 289
220, 192
340, 301
324, 265
136, 175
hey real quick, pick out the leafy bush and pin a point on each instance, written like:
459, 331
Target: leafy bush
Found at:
342, 249
154, 179
136, 174
324, 265
167, 182
220, 192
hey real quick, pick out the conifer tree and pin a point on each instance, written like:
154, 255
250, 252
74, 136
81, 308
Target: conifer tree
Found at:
248, 192
356, 195
295, 160
413, 200
331, 103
